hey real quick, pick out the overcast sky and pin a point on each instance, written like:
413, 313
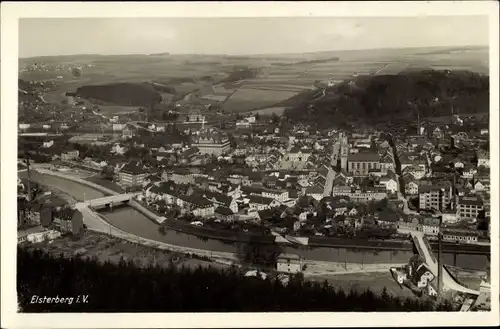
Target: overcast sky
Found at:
61, 36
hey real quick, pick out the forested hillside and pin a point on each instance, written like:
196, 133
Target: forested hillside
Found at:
372, 99
127, 288
125, 94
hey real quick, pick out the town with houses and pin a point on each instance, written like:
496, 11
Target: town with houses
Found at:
257, 173
245, 175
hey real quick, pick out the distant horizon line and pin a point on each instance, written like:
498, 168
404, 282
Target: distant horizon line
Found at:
254, 54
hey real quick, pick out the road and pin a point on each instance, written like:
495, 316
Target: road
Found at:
430, 260
95, 223
214, 245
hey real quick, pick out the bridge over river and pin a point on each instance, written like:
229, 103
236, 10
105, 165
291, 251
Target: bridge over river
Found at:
131, 221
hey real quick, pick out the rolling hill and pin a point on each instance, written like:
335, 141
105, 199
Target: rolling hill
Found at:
125, 94
373, 99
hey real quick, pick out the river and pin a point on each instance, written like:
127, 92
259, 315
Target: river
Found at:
130, 220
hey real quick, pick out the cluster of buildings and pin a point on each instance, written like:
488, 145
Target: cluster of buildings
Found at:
262, 168
45, 217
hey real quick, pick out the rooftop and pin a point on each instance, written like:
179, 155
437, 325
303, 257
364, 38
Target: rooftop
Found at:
363, 157
260, 199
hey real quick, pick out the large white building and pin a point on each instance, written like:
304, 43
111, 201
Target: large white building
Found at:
469, 207
436, 197
360, 164
211, 141
133, 174
289, 263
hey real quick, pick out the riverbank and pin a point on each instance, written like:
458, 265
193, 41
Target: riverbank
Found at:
315, 242
201, 231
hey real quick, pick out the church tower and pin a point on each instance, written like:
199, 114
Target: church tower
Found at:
344, 151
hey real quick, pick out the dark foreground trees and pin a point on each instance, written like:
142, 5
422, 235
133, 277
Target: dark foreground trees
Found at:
259, 254
124, 287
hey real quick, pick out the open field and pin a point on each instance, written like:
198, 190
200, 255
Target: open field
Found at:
249, 99
270, 110
281, 75
109, 110
362, 281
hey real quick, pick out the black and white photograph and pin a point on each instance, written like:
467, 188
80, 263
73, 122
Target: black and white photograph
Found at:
272, 163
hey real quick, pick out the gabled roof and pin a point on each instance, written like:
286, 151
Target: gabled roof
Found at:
134, 168
316, 189
224, 211
472, 201
260, 200
363, 157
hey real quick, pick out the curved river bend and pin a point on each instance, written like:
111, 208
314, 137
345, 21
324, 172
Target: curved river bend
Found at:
130, 220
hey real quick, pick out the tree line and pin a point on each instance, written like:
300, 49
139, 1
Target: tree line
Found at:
124, 287
380, 98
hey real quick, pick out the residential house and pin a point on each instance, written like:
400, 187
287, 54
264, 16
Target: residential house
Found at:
47, 144
390, 182
449, 217
224, 214
280, 195
458, 163
211, 141
188, 155
407, 226
430, 226
343, 179
316, 191
468, 172
257, 202
220, 200
128, 132
482, 185
460, 237
299, 155
413, 159
197, 205
118, 149
483, 159
181, 176
36, 234
289, 263
437, 133
69, 220
411, 186
360, 195
387, 162
70, 155
119, 126
270, 181
415, 171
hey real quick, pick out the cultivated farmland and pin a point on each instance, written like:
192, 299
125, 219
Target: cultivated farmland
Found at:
248, 99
